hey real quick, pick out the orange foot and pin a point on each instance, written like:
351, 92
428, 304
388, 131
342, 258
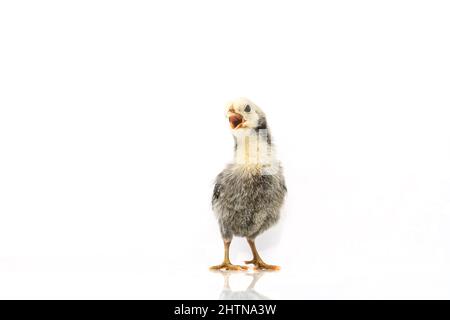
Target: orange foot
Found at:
228, 266
261, 265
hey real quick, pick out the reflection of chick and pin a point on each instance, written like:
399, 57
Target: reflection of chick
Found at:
248, 193
249, 294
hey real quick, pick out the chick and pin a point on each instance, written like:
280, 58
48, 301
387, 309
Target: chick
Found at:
248, 193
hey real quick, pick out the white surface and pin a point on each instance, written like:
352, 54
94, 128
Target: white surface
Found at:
112, 130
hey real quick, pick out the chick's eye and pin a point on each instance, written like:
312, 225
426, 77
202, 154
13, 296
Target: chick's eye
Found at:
247, 108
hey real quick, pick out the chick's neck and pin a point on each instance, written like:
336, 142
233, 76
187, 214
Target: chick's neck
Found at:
253, 148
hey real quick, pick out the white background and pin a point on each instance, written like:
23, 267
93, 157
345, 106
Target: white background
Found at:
112, 131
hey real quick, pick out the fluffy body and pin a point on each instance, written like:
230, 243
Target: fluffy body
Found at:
247, 201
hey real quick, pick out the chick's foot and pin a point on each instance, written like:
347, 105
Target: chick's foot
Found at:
228, 266
261, 265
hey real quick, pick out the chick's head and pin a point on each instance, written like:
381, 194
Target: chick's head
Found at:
244, 116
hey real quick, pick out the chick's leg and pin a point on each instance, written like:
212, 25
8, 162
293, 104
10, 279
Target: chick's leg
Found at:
257, 261
226, 264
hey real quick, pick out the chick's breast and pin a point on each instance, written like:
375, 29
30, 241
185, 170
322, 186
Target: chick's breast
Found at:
246, 201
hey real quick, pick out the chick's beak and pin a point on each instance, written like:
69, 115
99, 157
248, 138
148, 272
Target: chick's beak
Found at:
235, 120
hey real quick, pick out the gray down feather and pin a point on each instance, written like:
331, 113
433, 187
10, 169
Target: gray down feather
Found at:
246, 201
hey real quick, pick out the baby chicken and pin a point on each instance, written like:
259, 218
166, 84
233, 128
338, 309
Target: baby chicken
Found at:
248, 193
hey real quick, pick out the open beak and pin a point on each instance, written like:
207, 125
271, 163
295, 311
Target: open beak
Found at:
235, 120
